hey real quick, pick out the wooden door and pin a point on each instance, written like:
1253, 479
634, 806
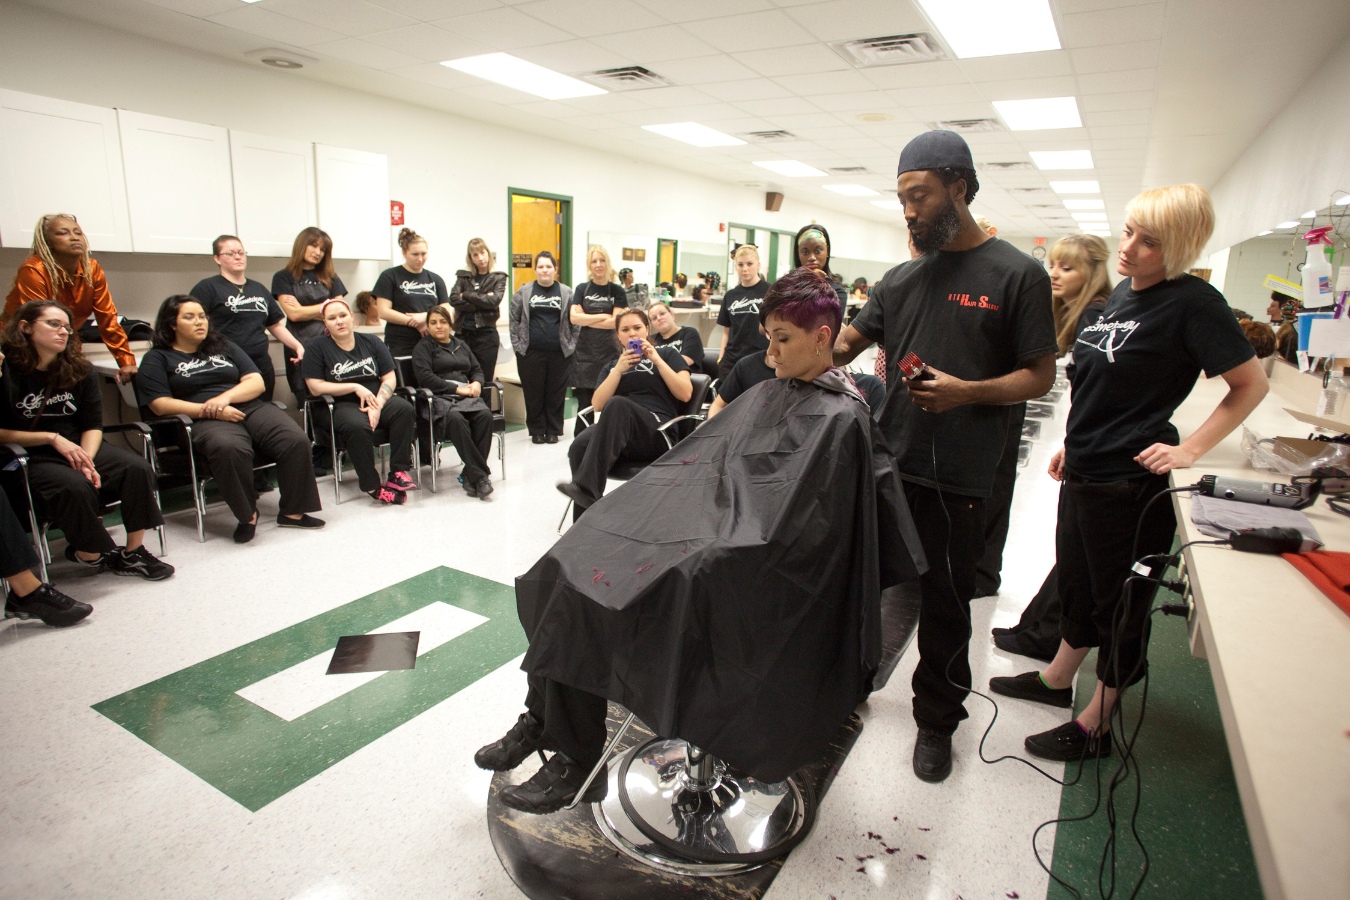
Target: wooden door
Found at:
665, 261
536, 225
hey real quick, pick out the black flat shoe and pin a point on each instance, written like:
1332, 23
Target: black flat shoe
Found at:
551, 439
1069, 742
1015, 643
1028, 686
503, 755
932, 755
575, 494
536, 439
244, 532
554, 786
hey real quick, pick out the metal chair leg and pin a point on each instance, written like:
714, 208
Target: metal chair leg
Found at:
604, 758
566, 510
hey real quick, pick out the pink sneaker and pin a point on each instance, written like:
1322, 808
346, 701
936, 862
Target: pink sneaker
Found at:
400, 481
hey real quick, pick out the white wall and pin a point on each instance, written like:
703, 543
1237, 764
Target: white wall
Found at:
451, 173
1301, 157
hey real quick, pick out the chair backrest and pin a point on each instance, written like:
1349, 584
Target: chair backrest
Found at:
710, 355
403, 372
699, 396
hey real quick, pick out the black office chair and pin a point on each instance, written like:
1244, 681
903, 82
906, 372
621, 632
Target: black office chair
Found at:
493, 395
176, 461
673, 431
318, 410
14, 458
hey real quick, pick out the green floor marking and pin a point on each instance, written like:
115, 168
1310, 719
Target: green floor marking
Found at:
196, 719
1190, 815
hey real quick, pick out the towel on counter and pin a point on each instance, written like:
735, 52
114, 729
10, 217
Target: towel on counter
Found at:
1216, 517
1329, 570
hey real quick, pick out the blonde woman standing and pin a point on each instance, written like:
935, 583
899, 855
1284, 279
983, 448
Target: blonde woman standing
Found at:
593, 308
477, 300
739, 315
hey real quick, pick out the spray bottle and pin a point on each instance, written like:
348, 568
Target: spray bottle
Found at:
1317, 270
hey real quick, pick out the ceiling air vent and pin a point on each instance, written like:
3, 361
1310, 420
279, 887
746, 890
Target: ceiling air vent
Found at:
1008, 166
1047, 206
892, 50
1028, 190
966, 126
627, 78
848, 170
765, 137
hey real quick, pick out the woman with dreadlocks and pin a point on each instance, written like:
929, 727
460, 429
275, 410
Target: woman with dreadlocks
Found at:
60, 268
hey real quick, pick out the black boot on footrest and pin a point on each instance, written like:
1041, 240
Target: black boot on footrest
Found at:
524, 738
553, 787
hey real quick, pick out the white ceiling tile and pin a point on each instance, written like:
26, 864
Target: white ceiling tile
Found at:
1116, 82
824, 83
803, 120
428, 43
552, 109
438, 75
574, 56
1110, 102
363, 53
871, 101
605, 104
754, 31
749, 89
1113, 26
952, 93
772, 107
591, 123
1046, 64
1117, 57
504, 28
197, 8
1098, 118
844, 20
671, 97
1108, 132
351, 17
274, 27
427, 10
652, 46
718, 69
1031, 88
823, 133
586, 18
1068, 7
1120, 149
798, 60
488, 92
699, 10
918, 75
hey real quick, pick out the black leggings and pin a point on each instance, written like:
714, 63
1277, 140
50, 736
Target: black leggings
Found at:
471, 434
485, 344
398, 426
625, 431
75, 505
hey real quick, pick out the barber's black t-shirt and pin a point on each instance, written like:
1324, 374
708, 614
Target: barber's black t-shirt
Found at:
595, 346
748, 372
409, 293
307, 290
686, 342
740, 316
31, 405
1135, 365
364, 364
240, 312
194, 377
545, 316
975, 314
644, 385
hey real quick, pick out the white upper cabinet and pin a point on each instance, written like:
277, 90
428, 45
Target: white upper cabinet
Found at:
58, 156
274, 191
179, 185
354, 201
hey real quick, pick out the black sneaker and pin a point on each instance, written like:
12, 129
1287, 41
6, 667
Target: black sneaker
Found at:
1028, 686
524, 738
136, 562
554, 786
90, 563
49, 605
575, 494
537, 439
483, 487
1069, 742
305, 521
470, 488
932, 755
551, 439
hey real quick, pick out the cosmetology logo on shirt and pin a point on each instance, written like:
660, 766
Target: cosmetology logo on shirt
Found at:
241, 303
1107, 337
189, 367
425, 288
351, 369
749, 306
539, 301
28, 406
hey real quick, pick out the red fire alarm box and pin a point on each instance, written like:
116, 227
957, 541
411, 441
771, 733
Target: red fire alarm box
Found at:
395, 212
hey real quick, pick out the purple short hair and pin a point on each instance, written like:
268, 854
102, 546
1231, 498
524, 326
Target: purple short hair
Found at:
806, 298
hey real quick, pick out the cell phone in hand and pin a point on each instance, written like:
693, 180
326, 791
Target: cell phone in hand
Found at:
635, 346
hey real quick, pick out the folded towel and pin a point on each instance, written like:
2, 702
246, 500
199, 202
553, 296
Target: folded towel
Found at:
1329, 570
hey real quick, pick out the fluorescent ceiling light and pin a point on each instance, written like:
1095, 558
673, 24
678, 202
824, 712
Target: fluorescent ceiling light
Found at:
790, 168
1310, 214
993, 27
1039, 115
1089, 216
1084, 204
1099, 232
1343, 200
1062, 159
1264, 233
513, 72
1293, 224
694, 133
852, 190
1075, 187
888, 204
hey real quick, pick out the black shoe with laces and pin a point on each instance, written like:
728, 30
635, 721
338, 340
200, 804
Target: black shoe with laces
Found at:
1069, 742
1028, 686
49, 605
483, 487
554, 786
932, 755
524, 738
470, 487
91, 563
136, 562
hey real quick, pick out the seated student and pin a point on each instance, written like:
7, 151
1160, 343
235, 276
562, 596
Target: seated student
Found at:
684, 340
447, 366
357, 370
196, 372
721, 620
29, 597
637, 392
52, 405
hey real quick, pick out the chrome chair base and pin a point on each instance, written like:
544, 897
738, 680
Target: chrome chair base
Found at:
678, 810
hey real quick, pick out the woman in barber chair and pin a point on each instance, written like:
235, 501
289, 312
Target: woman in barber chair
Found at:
660, 603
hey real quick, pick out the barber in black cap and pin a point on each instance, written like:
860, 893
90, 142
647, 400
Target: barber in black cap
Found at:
977, 312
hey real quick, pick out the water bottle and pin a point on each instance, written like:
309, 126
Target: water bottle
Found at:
1331, 402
